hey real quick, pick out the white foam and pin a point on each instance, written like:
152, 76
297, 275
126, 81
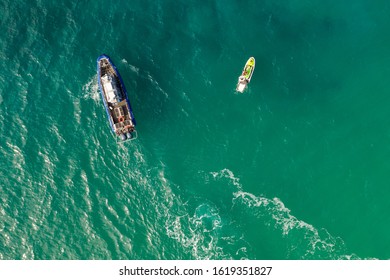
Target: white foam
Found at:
313, 242
132, 67
91, 89
226, 173
198, 233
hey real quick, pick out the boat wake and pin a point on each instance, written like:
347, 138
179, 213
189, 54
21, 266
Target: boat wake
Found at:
302, 240
133, 68
91, 90
197, 233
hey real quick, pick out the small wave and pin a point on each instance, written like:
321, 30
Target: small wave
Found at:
18, 161
56, 132
157, 86
185, 97
132, 67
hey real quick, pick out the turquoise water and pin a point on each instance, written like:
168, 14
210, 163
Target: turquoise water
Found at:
297, 167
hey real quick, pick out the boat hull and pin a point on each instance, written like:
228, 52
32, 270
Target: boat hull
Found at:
246, 75
115, 99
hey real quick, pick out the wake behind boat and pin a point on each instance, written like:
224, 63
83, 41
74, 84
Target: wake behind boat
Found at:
115, 99
246, 75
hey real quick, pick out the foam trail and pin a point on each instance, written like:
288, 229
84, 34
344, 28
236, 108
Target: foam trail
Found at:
199, 232
156, 85
91, 89
312, 242
132, 67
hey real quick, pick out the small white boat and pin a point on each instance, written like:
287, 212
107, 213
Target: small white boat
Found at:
246, 75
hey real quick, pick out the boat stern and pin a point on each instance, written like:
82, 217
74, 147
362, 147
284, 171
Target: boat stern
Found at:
241, 87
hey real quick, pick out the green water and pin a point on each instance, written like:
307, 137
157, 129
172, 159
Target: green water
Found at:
297, 167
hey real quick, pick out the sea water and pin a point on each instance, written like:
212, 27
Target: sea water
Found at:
297, 167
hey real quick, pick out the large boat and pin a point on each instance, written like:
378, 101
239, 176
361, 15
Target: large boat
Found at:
246, 75
115, 99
